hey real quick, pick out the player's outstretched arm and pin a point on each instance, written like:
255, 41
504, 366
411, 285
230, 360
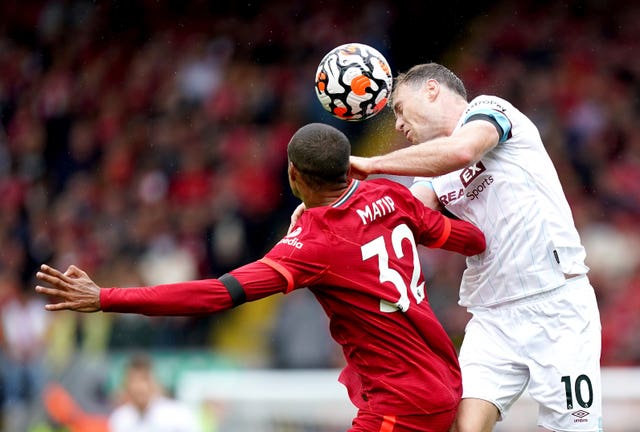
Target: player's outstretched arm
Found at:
74, 287
78, 292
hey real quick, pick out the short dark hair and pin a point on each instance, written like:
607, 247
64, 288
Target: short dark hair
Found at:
321, 153
422, 72
140, 362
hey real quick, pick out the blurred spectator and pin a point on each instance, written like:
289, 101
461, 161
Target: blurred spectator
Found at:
203, 69
63, 409
145, 408
300, 339
22, 357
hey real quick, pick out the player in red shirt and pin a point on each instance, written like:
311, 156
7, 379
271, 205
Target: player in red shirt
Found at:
355, 248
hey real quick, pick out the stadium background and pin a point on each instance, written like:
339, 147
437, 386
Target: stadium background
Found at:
145, 142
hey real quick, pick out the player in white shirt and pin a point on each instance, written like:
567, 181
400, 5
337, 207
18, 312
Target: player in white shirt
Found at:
161, 415
145, 408
535, 319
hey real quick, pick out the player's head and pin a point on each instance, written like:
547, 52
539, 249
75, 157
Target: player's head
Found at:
422, 100
320, 154
140, 383
418, 74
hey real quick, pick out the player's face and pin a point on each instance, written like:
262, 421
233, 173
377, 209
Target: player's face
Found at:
415, 113
140, 387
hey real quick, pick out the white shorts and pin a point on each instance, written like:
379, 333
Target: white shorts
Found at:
550, 342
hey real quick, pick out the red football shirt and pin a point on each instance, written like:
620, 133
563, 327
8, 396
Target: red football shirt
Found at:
359, 258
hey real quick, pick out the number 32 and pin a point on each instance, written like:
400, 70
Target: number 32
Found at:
378, 247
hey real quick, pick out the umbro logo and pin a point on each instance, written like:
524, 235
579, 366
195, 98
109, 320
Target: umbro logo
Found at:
580, 414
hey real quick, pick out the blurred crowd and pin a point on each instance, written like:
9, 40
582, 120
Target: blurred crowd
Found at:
145, 142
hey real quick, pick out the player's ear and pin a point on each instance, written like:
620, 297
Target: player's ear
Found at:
432, 89
293, 171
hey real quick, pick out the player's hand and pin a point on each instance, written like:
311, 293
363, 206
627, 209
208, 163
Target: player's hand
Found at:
295, 216
361, 167
74, 287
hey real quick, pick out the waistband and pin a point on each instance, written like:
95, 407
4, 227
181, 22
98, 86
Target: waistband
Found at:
571, 282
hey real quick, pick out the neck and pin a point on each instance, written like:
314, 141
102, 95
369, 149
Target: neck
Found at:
326, 196
458, 104
141, 407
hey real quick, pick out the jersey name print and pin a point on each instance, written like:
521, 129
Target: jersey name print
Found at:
376, 209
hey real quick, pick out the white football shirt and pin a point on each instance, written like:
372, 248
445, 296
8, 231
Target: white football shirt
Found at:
162, 415
514, 196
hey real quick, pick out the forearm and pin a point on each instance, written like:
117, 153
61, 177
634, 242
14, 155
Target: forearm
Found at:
465, 146
250, 282
431, 158
186, 298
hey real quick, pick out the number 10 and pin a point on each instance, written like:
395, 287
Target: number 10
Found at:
578, 390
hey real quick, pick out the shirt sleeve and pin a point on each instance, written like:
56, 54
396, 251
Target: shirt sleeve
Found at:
426, 181
200, 297
464, 238
442, 232
488, 110
301, 259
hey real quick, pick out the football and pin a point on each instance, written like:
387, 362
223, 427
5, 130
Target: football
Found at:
353, 82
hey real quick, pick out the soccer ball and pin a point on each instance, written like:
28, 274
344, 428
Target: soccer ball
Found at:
353, 82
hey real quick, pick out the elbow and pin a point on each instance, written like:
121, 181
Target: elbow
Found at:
468, 149
463, 157
478, 246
